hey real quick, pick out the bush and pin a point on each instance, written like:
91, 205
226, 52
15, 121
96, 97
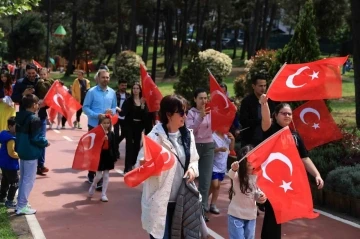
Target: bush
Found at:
127, 67
195, 75
256, 68
345, 180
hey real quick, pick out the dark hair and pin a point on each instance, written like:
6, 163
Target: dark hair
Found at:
242, 172
254, 80
171, 104
132, 94
29, 100
278, 108
197, 91
11, 121
223, 85
101, 119
121, 81
9, 80
31, 66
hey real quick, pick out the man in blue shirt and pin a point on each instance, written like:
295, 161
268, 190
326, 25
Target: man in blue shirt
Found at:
99, 100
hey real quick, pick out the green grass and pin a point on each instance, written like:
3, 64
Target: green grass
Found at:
344, 108
5, 228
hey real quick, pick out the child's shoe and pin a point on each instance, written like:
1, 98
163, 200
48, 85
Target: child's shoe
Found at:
58, 127
10, 204
91, 190
214, 209
25, 211
104, 198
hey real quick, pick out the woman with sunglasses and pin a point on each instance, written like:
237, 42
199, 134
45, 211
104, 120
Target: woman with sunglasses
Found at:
160, 192
282, 117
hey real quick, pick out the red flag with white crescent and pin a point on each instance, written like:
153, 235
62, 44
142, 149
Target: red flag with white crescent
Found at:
151, 92
222, 109
315, 124
308, 81
157, 159
282, 177
87, 154
61, 101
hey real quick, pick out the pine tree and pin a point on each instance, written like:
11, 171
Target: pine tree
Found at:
304, 45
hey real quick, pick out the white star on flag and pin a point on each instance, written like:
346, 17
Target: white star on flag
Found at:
316, 126
314, 75
286, 186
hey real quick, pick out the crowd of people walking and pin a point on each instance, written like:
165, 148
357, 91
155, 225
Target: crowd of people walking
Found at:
184, 132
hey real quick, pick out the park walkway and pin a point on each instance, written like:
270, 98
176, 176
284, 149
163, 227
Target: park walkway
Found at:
65, 212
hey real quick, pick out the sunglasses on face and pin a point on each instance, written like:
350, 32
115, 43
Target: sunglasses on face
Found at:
286, 113
181, 113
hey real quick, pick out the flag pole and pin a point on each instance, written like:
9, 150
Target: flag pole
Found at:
283, 66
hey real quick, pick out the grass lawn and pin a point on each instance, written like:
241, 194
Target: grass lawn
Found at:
5, 228
344, 108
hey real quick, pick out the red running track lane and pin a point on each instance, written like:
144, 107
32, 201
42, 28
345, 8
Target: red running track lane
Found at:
64, 211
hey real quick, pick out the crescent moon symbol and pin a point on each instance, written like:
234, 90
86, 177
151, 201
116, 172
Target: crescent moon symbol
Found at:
55, 98
163, 150
92, 136
308, 110
273, 157
290, 79
217, 92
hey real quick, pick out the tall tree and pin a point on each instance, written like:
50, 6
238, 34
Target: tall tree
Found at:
17, 7
69, 68
355, 10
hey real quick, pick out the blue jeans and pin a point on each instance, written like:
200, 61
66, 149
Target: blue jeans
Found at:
41, 159
240, 228
26, 183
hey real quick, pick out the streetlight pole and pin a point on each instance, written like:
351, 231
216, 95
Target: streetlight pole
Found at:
48, 35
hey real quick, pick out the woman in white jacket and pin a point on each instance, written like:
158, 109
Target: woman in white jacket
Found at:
160, 192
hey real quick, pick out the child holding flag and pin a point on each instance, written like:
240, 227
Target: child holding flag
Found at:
243, 194
107, 158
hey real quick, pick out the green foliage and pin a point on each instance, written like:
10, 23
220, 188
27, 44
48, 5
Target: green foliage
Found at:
196, 75
345, 180
256, 68
127, 67
17, 6
28, 40
304, 45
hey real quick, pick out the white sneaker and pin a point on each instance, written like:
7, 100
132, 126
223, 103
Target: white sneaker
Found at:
91, 191
25, 211
58, 127
104, 198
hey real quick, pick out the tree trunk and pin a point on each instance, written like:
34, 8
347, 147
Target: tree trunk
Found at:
253, 35
236, 35
133, 23
72, 56
120, 30
183, 30
149, 33
264, 21
266, 38
197, 27
355, 9
219, 30
157, 19
246, 44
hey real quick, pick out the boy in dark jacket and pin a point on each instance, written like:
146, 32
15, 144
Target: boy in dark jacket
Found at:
9, 164
29, 144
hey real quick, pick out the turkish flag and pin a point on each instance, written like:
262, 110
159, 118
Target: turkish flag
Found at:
37, 64
150, 92
52, 113
308, 81
282, 176
61, 101
315, 124
87, 154
157, 159
222, 109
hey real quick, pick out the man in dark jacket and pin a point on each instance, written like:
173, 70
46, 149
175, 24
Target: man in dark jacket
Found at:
121, 96
24, 87
250, 114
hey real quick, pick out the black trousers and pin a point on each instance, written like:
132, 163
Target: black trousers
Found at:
63, 121
133, 139
120, 136
79, 112
270, 229
9, 184
91, 173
